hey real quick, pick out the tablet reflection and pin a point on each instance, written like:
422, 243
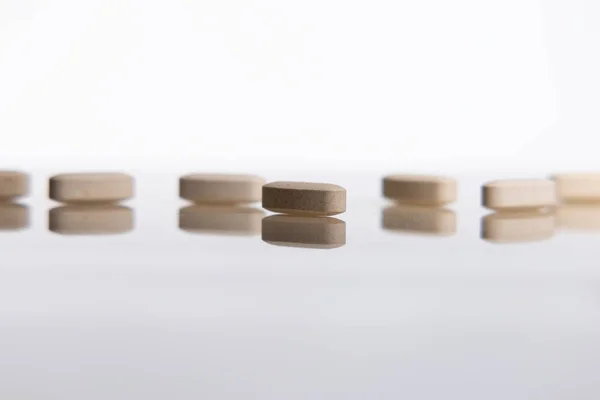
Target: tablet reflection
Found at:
578, 217
221, 220
91, 219
518, 226
419, 220
13, 216
306, 232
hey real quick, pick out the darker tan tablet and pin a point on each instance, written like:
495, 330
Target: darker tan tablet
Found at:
518, 226
13, 184
308, 232
304, 198
519, 194
91, 188
221, 220
420, 189
578, 187
584, 217
221, 188
419, 220
13, 216
91, 219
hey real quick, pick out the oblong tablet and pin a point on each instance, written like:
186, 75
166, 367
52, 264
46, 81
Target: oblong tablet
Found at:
90, 219
91, 187
307, 232
224, 220
304, 198
13, 184
518, 226
13, 216
221, 188
420, 189
578, 187
419, 220
519, 194
584, 217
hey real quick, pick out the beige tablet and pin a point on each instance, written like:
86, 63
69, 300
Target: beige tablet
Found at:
582, 187
308, 232
221, 188
585, 217
419, 220
91, 219
420, 189
13, 184
518, 226
519, 194
91, 187
304, 198
13, 216
224, 220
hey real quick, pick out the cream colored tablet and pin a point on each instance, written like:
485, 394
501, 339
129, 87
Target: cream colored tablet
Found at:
420, 189
519, 194
13, 216
518, 226
221, 188
91, 187
304, 198
13, 184
585, 217
308, 232
224, 220
91, 219
419, 220
582, 187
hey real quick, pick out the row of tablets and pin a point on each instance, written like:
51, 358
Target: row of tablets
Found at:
315, 199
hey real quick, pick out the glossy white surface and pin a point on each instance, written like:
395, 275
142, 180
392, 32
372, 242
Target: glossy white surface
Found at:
163, 313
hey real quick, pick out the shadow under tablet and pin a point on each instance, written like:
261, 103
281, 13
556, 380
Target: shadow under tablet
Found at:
419, 220
221, 220
13, 216
306, 232
518, 226
91, 219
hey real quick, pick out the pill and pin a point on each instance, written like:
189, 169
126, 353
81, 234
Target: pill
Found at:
91, 219
91, 187
304, 198
226, 220
221, 188
307, 232
518, 226
578, 187
419, 220
584, 217
13, 216
519, 194
420, 189
13, 184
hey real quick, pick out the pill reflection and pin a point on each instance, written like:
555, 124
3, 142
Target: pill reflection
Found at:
90, 219
221, 220
578, 217
419, 220
306, 232
13, 216
518, 226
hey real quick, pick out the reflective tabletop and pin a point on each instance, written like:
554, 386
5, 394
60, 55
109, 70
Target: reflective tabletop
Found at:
157, 298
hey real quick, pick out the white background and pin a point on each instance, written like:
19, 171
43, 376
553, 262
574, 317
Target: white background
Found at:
302, 89
241, 85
